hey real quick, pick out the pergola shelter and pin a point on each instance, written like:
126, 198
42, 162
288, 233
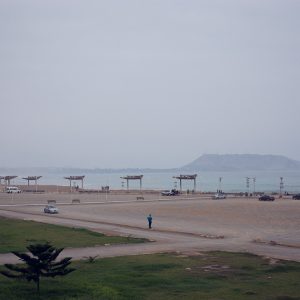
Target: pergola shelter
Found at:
32, 178
75, 178
186, 177
7, 179
133, 177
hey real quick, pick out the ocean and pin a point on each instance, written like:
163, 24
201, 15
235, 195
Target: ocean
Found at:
265, 181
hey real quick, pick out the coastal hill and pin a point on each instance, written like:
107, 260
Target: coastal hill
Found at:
241, 162
206, 162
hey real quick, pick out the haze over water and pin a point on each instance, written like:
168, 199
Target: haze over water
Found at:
266, 181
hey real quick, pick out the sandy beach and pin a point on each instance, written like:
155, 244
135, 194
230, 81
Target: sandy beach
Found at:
180, 223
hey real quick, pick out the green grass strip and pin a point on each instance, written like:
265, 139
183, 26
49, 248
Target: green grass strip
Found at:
15, 235
210, 276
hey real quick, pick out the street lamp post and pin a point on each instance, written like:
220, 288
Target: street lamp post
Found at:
220, 184
248, 185
254, 181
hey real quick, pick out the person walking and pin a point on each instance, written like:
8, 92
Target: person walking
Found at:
149, 218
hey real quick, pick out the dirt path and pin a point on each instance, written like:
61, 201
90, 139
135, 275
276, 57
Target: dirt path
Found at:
186, 224
163, 239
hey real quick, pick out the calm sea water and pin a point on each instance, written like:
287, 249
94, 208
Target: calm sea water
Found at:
206, 181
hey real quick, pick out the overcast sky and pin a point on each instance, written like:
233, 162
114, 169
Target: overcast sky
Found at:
147, 83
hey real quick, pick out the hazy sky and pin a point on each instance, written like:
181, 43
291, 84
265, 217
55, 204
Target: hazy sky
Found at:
147, 83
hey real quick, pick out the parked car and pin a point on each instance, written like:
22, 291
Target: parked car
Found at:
170, 193
12, 189
50, 209
219, 196
266, 198
296, 197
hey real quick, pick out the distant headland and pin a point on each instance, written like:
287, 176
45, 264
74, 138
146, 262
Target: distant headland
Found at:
242, 162
206, 162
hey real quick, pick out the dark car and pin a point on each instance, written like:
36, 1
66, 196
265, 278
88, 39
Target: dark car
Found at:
266, 198
170, 193
296, 197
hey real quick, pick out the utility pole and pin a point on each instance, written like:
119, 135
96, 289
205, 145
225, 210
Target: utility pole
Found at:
281, 187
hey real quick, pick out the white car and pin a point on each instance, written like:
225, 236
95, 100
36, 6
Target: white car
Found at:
12, 189
50, 209
219, 196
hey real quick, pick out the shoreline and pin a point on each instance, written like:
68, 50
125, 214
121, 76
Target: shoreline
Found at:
50, 188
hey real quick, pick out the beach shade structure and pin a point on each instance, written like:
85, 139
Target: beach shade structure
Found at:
75, 178
32, 178
133, 177
7, 179
186, 177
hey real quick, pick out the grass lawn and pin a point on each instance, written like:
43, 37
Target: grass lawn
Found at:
210, 276
15, 235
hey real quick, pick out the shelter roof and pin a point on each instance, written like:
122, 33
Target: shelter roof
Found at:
9, 177
191, 177
132, 177
75, 177
32, 177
